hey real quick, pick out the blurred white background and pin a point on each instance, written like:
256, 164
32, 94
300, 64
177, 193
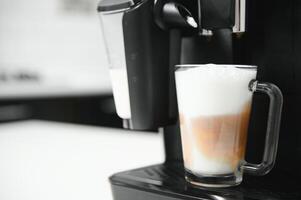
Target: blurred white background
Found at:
54, 48
51, 47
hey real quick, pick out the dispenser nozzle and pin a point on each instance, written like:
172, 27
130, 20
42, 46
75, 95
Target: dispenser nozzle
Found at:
176, 15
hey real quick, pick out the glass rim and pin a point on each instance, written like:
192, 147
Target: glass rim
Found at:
191, 66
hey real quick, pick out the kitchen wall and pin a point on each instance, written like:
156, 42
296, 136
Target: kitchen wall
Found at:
51, 48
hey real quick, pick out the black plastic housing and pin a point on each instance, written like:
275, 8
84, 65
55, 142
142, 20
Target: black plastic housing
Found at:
217, 14
147, 60
166, 182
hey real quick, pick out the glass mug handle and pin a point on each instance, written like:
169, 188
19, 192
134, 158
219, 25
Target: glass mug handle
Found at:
273, 126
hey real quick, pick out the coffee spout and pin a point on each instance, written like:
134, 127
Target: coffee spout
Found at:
175, 15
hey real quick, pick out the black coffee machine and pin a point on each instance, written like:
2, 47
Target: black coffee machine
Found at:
146, 38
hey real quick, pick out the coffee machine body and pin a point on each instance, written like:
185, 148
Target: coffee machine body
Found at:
138, 52
146, 38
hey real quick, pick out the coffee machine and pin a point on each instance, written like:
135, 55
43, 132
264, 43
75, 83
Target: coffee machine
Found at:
144, 39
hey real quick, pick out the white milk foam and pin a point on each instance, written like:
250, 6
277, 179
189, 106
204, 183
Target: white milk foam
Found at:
121, 92
210, 90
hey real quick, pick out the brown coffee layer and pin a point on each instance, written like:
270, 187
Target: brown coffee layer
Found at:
221, 137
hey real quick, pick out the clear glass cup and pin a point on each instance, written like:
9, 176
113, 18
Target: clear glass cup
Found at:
214, 109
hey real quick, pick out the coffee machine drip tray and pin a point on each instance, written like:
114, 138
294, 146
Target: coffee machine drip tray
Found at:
167, 182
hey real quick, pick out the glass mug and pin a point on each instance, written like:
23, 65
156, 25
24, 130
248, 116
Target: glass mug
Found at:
214, 104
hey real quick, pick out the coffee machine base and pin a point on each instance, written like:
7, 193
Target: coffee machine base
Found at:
166, 182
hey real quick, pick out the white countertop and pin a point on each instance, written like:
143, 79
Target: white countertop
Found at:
42, 160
